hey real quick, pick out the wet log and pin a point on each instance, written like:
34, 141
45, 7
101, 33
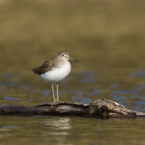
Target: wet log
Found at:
101, 108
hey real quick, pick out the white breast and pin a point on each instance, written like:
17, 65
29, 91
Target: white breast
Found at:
57, 74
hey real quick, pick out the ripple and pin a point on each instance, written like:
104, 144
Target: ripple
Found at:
58, 126
10, 75
139, 97
86, 100
8, 83
141, 87
118, 97
10, 98
96, 91
125, 92
58, 123
140, 73
3, 105
11, 126
114, 85
75, 98
26, 87
140, 103
88, 77
46, 93
122, 92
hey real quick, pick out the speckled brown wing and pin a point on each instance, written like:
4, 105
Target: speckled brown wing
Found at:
47, 65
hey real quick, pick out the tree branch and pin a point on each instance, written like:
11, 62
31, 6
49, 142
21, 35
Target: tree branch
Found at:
101, 108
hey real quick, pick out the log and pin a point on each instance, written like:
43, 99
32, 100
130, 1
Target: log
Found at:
101, 108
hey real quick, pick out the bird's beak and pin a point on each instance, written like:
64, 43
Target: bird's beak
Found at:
72, 59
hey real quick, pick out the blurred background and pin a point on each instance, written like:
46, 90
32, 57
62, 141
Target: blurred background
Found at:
106, 36
110, 33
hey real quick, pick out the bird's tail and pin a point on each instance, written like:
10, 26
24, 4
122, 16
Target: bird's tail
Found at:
36, 70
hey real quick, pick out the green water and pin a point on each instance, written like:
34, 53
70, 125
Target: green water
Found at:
107, 37
70, 130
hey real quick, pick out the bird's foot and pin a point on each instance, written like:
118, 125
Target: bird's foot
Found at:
53, 103
56, 102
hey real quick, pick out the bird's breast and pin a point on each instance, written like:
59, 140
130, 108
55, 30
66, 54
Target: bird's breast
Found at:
57, 74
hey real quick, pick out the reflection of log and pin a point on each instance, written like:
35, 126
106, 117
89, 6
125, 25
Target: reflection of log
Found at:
100, 108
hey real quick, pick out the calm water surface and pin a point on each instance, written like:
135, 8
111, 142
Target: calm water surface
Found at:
70, 130
79, 86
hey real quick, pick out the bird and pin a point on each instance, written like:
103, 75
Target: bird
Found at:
54, 70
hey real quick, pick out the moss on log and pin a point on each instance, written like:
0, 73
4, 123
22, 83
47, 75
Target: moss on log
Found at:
101, 108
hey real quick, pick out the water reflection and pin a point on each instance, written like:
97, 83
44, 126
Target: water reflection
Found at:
58, 125
59, 129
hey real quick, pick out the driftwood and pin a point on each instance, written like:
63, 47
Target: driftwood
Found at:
101, 108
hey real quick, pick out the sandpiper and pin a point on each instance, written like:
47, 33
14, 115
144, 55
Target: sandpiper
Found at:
54, 70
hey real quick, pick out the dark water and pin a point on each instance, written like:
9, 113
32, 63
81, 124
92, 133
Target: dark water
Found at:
107, 37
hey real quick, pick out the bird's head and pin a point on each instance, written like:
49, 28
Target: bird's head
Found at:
65, 56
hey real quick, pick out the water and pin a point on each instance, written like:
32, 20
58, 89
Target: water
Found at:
72, 130
108, 40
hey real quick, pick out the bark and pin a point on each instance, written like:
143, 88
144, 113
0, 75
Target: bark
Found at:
101, 108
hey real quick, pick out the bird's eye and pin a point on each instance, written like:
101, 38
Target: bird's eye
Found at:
62, 55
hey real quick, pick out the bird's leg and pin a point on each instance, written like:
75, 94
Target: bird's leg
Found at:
57, 99
53, 94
